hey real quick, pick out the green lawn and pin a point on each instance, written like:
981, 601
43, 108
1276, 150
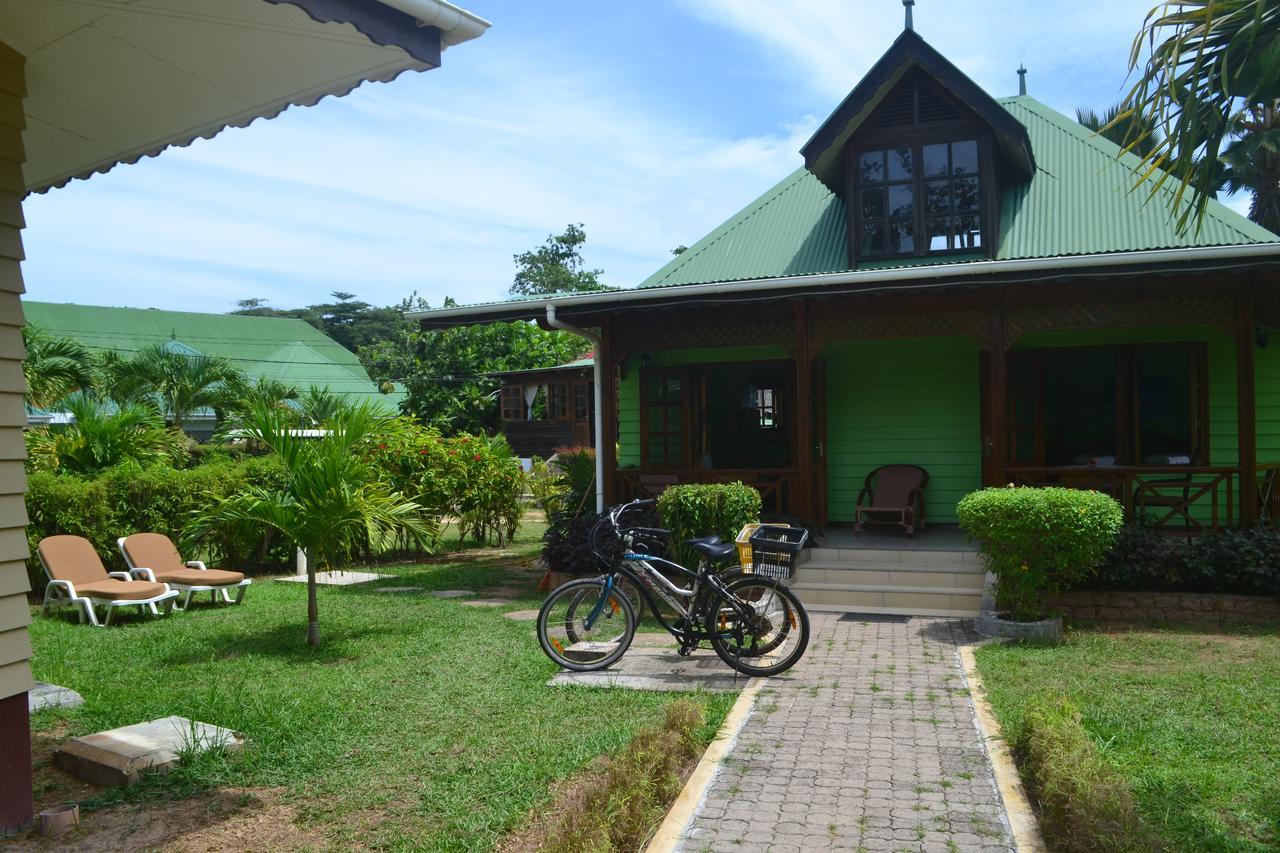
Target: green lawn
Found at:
1191, 720
419, 723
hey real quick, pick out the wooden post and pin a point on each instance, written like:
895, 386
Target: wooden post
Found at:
607, 440
802, 492
1246, 405
997, 392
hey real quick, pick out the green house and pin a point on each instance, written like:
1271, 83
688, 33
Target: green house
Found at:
953, 281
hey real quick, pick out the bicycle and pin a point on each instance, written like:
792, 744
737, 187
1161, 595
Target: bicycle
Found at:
754, 623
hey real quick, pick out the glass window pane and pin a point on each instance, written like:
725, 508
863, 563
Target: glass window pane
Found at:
657, 419
938, 235
872, 242
673, 390
964, 157
871, 167
937, 196
901, 200
968, 232
873, 204
934, 158
656, 389
900, 164
657, 450
673, 450
901, 237
966, 193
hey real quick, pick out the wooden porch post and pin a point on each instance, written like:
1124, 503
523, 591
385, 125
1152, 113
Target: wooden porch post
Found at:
802, 492
997, 391
1246, 405
607, 440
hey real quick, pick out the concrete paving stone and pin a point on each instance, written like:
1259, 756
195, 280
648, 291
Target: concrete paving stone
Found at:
521, 615
120, 756
452, 593
487, 602
336, 578
44, 696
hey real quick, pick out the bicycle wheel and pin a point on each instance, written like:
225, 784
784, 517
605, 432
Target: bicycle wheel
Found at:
621, 585
768, 641
581, 627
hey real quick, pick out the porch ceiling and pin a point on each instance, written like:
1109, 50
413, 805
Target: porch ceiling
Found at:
111, 81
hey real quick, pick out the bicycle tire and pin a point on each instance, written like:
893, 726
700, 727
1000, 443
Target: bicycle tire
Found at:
793, 619
575, 595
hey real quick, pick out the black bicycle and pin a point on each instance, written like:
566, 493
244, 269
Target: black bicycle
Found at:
753, 621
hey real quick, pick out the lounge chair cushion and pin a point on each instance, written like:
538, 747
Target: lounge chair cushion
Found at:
117, 590
72, 558
157, 552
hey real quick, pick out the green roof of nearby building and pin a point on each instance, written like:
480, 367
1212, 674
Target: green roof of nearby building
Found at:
280, 348
1078, 203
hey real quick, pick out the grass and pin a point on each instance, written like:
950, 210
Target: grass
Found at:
1190, 721
420, 723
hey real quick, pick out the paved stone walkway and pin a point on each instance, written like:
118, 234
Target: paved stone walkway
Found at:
870, 743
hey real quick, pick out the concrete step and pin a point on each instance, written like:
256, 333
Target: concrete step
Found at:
880, 556
869, 598
839, 575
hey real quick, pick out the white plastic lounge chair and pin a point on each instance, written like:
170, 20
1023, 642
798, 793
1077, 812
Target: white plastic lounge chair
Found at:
78, 579
153, 557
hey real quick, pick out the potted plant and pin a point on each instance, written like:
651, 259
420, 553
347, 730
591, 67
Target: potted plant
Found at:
1036, 541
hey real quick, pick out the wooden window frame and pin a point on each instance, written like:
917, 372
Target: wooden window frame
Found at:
511, 399
558, 401
665, 373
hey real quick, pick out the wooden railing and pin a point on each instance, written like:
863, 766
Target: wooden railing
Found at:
1184, 500
776, 485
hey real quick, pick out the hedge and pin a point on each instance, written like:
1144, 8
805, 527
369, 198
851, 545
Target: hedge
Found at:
1038, 540
130, 498
1243, 562
701, 510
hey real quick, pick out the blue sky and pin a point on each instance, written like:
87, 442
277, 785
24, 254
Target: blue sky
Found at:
651, 123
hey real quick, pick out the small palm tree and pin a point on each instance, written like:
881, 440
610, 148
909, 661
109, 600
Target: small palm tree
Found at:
319, 405
98, 439
54, 367
1125, 127
1252, 163
333, 505
183, 383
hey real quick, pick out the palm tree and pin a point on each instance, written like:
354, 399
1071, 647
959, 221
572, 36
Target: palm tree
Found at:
1125, 127
1207, 61
183, 383
99, 439
319, 406
53, 367
332, 506
1252, 163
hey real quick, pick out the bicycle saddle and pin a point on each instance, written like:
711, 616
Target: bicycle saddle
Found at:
712, 548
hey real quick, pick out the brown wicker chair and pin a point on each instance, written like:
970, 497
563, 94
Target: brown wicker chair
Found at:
892, 494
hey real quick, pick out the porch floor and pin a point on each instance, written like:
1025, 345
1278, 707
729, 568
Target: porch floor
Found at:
937, 537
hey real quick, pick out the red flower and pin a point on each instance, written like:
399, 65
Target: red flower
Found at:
382, 447
476, 457
422, 452
453, 453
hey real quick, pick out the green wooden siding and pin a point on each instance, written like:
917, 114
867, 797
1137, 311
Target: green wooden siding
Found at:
629, 387
913, 401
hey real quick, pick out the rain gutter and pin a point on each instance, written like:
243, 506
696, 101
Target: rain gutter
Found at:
596, 373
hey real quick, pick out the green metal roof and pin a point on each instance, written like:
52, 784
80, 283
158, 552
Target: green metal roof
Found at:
280, 348
1078, 203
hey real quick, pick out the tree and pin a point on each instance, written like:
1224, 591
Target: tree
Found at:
1209, 62
319, 406
347, 320
98, 439
332, 506
54, 367
1125, 127
680, 250
182, 383
556, 266
241, 395
1251, 163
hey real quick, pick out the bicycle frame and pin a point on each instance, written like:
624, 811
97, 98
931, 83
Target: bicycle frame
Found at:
645, 576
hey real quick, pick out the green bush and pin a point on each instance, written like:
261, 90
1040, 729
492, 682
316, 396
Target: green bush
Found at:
565, 544
130, 498
701, 510
1243, 562
1084, 802
1039, 540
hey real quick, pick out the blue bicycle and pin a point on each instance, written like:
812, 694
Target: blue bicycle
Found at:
753, 621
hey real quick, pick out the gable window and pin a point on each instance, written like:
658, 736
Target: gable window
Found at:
918, 199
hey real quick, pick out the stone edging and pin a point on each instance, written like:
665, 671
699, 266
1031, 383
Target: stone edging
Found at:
681, 813
1023, 822
1203, 608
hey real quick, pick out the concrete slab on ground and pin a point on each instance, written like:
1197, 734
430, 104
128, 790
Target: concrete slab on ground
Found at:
120, 756
52, 696
336, 578
487, 602
522, 615
399, 589
659, 669
452, 593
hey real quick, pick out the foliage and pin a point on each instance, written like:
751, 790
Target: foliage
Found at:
98, 439
319, 406
1208, 60
1038, 540
1085, 804
130, 499
1245, 562
183, 383
473, 481
1125, 127
332, 505
556, 266
567, 539
445, 371
1251, 162
244, 395
347, 320
703, 509
547, 485
53, 367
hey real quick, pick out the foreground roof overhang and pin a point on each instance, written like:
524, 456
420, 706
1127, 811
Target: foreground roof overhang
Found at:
585, 308
112, 81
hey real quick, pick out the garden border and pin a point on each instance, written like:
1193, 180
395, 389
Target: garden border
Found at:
680, 815
1023, 822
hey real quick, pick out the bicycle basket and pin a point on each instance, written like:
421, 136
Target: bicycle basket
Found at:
776, 550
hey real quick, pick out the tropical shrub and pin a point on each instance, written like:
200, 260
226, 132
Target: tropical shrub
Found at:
546, 485
130, 498
1038, 540
1244, 562
99, 439
701, 510
566, 542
